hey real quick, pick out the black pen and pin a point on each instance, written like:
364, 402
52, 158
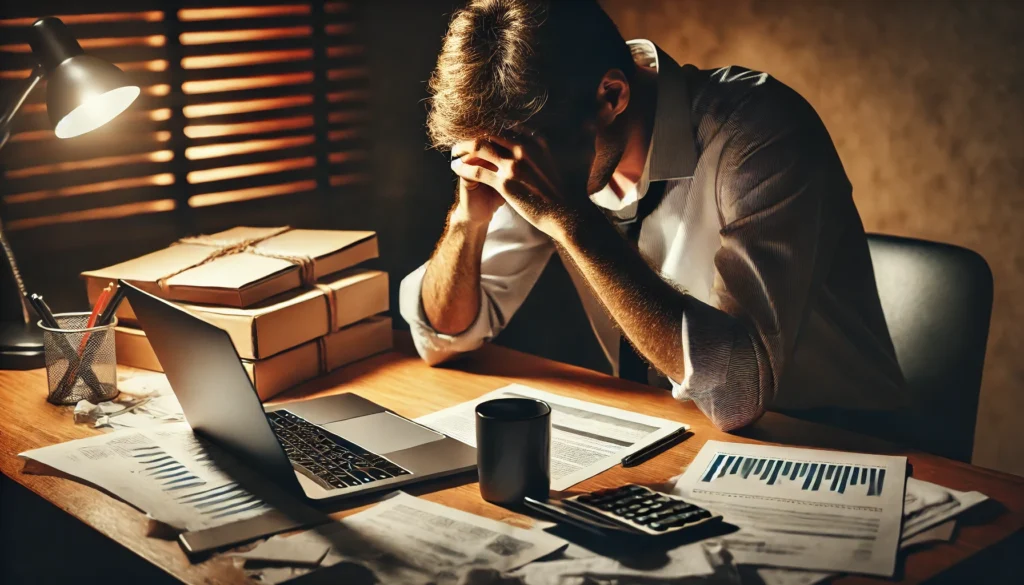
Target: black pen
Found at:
634, 459
108, 313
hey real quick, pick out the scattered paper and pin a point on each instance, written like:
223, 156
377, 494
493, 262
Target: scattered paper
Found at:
941, 533
145, 400
586, 438
928, 505
802, 508
686, 561
406, 540
298, 550
776, 576
165, 471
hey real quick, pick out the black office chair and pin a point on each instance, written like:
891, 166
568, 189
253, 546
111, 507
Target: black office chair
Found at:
937, 301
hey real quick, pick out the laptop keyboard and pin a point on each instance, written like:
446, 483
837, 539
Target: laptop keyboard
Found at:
328, 459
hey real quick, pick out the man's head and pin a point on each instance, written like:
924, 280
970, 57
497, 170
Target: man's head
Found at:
557, 68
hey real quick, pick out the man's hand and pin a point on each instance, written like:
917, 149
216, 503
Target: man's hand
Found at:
523, 172
475, 203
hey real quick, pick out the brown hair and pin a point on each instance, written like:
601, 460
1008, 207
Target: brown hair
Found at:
504, 61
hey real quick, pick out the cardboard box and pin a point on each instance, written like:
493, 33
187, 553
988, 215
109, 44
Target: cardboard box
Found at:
239, 267
133, 349
298, 316
274, 375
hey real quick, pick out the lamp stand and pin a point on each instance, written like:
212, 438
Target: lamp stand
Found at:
21, 342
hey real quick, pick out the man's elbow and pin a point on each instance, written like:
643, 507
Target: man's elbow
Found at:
728, 422
732, 413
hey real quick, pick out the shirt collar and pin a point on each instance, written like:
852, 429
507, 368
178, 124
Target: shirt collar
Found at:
673, 147
672, 153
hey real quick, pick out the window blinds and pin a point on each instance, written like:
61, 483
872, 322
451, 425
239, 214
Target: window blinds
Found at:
241, 100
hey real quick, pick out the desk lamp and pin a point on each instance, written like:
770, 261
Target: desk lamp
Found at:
83, 93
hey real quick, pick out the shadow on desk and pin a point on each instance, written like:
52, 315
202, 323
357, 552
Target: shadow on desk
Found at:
41, 544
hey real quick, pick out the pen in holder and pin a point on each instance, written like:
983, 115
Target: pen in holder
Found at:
80, 361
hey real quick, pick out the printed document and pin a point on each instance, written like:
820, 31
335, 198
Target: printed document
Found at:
586, 438
165, 471
407, 540
802, 508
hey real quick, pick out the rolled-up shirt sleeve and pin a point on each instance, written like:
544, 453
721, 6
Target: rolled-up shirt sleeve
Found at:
514, 255
779, 180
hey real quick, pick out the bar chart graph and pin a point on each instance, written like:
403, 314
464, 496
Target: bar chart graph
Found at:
809, 475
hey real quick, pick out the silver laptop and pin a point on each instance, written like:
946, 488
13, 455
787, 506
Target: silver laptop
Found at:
325, 448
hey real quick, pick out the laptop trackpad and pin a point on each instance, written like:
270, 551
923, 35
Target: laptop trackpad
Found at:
383, 432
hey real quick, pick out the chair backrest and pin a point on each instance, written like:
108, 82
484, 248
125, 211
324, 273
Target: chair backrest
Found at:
937, 301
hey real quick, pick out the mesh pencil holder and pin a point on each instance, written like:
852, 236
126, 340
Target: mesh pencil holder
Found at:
80, 361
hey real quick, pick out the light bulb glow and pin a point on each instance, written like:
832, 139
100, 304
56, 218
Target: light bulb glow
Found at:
96, 111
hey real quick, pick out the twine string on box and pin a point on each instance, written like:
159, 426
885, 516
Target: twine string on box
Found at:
222, 248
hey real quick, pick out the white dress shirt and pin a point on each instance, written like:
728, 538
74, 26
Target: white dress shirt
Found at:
730, 145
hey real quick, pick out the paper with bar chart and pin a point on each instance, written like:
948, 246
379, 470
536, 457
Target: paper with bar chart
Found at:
165, 471
803, 508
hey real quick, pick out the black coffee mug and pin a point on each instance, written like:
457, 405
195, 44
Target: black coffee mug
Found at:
513, 449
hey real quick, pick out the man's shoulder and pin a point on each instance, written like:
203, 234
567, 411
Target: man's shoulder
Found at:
723, 92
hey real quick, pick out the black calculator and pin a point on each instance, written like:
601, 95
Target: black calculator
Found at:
632, 508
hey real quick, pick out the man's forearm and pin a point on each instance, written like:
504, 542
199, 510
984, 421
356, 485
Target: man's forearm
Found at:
647, 309
451, 283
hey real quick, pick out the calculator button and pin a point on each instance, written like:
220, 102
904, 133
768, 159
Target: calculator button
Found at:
619, 511
634, 507
642, 511
659, 526
644, 519
629, 515
656, 506
647, 501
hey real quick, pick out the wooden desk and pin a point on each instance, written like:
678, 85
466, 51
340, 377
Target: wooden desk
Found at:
401, 382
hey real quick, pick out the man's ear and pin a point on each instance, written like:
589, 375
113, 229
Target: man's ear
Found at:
613, 95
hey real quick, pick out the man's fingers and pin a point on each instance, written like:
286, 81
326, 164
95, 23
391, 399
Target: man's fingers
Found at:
532, 152
479, 149
475, 173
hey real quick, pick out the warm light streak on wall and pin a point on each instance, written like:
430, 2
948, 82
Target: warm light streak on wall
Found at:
240, 83
347, 134
235, 172
349, 179
147, 16
117, 42
112, 212
160, 115
238, 36
221, 108
339, 29
349, 73
215, 130
352, 95
336, 7
242, 59
194, 14
248, 146
338, 117
153, 65
91, 163
346, 51
208, 199
32, 135
162, 179
342, 157
160, 89
16, 74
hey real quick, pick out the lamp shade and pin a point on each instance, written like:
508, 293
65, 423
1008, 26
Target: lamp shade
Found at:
83, 92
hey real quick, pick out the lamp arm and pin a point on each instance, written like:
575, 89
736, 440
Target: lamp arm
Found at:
6, 119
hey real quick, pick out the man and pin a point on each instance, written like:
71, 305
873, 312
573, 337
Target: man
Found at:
704, 215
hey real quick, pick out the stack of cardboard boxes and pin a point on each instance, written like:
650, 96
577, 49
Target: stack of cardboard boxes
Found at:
293, 301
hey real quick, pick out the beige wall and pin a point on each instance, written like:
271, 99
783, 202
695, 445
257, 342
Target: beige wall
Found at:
925, 101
